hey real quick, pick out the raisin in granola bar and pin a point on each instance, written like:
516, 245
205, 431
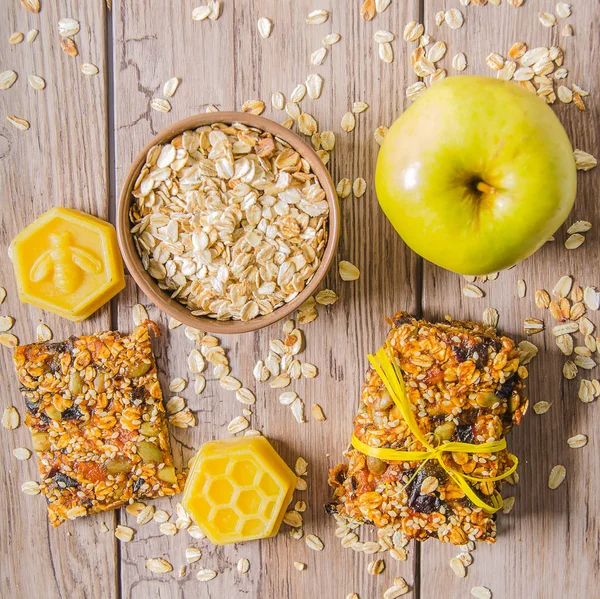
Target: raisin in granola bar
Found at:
464, 383
94, 407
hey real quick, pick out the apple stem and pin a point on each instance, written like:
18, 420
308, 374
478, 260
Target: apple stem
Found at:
483, 187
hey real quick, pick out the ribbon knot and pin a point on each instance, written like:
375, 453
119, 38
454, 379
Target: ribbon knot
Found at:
390, 374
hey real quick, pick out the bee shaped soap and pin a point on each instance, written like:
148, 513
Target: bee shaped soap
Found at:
67, 262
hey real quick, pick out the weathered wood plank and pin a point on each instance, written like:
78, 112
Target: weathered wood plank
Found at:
233, 64
62, 160
547, 546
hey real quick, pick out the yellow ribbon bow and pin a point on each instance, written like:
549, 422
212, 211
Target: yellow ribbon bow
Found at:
391, 376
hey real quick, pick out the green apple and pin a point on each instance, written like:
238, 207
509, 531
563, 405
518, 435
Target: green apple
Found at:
476, 175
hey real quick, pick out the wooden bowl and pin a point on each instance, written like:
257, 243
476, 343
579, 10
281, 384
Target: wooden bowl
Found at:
148, 285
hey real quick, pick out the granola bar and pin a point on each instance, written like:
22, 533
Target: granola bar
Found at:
464, 383
94, 407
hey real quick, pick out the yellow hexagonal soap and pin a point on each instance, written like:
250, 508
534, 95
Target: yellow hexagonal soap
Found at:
67, 262
238, 490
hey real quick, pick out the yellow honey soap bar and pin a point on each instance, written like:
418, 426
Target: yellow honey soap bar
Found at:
67, 262
238, 490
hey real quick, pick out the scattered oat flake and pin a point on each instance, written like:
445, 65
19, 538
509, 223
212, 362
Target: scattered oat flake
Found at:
481, 593
458, 567
237, 425
317, 412
541, 407
348, 122
68, 27
205, 575
358, 107
454, 18
386, 52
43, 332
89, 69
584, 161
314, 85
326, 297
317, 17
255, 107
265, 26
16, 38
331, 39
563, 10
318, 56
380, 134
7, 78
19, 123
563, 286
368, 10
32, 6
574, 241
521, 288
472, 291
382, 36
200, 13
577, 441
547, 19
139, 314
31, 487
158, 565
22, 453
11, 418
300, 566
413, 31
314, 542
348, 272
215, 9
344, 188
359, 187
160, 105
6, 323
68, 46
557, 476
192, 554
124, 533
459, 62
170, 87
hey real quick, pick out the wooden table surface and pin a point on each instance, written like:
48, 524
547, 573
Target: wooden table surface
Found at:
84, 132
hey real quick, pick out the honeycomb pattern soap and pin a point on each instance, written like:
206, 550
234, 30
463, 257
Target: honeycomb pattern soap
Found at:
238, 490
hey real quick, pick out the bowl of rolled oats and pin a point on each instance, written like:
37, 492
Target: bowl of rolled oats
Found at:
228, 222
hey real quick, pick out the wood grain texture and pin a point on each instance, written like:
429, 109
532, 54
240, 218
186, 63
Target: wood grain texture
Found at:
233, 64
548, 545
62, 160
